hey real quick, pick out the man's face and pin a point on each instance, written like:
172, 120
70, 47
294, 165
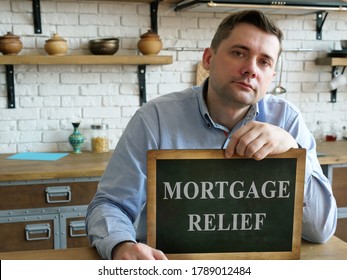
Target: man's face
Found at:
243, 66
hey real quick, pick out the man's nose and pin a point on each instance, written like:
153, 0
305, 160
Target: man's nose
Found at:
249, 69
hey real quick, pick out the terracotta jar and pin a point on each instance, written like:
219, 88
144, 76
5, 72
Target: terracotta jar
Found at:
10, 44
56, 45
150, 43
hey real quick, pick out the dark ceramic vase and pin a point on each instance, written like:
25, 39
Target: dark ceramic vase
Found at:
76, 139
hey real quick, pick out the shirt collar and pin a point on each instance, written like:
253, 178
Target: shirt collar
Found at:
202, 105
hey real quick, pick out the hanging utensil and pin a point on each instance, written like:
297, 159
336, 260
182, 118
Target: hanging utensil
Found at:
279, 89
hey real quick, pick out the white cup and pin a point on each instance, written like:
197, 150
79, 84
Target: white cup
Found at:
337, 82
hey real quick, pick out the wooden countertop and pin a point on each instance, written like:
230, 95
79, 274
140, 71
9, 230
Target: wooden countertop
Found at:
85, 164
334, 152
334, 249
89, 164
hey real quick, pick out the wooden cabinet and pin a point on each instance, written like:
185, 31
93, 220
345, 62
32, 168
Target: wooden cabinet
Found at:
45, 215
43, 203
334, 165
338, 176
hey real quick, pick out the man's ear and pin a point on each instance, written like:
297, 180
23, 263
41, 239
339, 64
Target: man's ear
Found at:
206, 57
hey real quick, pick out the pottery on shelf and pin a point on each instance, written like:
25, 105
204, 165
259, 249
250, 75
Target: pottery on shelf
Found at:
10, 44
56, 45
150, 43
104, 46
76, 139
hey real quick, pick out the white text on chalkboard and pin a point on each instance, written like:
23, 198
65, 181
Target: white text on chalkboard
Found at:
221, 189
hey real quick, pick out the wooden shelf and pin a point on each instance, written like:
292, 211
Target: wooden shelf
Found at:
140, 60
85, 59
332, 61
335, 63
147, 1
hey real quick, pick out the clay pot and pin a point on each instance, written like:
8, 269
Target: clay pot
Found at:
150, 43
56, 45
10, 44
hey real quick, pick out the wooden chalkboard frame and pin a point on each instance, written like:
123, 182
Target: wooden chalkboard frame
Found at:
294, 253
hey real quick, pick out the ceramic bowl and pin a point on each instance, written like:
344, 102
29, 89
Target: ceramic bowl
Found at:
104, 46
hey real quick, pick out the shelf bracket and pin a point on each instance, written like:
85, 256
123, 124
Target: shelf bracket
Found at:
37, 17
141, 69
10, 87
141, 73
154, 15
334, 73
320, 19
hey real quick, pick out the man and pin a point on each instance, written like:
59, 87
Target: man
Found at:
231, 110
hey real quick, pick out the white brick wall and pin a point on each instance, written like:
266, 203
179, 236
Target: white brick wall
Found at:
49, 97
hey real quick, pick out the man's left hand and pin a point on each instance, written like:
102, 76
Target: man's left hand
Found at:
258, 140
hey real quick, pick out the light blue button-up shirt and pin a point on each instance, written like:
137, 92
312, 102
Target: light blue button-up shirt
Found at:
181, 121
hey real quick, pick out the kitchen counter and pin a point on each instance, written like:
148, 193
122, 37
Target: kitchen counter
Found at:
43, 203
333, 152
89, 164
85, 164
334, 249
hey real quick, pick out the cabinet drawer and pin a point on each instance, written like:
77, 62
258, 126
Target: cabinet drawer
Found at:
29, 233
341, 229
46, 195
73, 229
76, 235
339, 185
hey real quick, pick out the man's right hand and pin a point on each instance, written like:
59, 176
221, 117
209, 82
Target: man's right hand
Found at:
136, 251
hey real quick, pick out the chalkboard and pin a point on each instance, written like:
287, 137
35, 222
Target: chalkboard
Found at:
201, 205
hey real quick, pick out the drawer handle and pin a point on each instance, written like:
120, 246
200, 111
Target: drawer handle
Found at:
37, 232
58, 194
78, 226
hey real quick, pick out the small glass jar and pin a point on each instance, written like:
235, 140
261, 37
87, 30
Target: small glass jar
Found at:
99, 138
331, 134
318, 133
344, 133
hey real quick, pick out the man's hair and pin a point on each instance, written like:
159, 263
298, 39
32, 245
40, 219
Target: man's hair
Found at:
252, 17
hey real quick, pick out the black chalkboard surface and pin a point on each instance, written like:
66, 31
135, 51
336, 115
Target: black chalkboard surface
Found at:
203, 206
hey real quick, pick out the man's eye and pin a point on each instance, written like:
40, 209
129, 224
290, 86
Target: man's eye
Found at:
265, 63
238, 54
